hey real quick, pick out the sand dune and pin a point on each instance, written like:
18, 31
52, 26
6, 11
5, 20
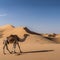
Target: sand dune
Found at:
35, 47
6, 27
20, 31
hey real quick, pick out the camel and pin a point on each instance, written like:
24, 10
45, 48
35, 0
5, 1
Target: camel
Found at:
14, 39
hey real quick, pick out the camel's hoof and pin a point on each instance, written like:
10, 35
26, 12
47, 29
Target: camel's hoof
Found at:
10, 52
18, 54
20, 51
13, 52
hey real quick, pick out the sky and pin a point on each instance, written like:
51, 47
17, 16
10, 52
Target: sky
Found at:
42, 16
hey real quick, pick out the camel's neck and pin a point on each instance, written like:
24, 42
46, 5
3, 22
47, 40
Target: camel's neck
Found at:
22, 40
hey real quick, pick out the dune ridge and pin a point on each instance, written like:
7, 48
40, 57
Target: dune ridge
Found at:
20, 31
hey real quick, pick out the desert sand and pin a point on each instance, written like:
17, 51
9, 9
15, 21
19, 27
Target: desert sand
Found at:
35, 47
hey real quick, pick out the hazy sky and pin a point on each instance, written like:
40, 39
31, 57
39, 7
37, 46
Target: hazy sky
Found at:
39, 15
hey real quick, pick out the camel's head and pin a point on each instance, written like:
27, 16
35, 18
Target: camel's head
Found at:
25, 35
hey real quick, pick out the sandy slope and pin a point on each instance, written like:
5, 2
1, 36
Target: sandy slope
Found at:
35, 47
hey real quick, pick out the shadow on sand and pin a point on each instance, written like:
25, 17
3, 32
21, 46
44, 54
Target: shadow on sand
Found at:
35, 51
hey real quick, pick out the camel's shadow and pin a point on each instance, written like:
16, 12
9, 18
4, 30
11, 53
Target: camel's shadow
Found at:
35, 51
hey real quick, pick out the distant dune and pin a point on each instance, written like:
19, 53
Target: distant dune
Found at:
6, 27
7, 30
20, 31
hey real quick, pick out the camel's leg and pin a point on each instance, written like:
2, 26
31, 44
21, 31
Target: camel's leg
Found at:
8, 49
14, 46
4, 45
19, 48
4, 49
